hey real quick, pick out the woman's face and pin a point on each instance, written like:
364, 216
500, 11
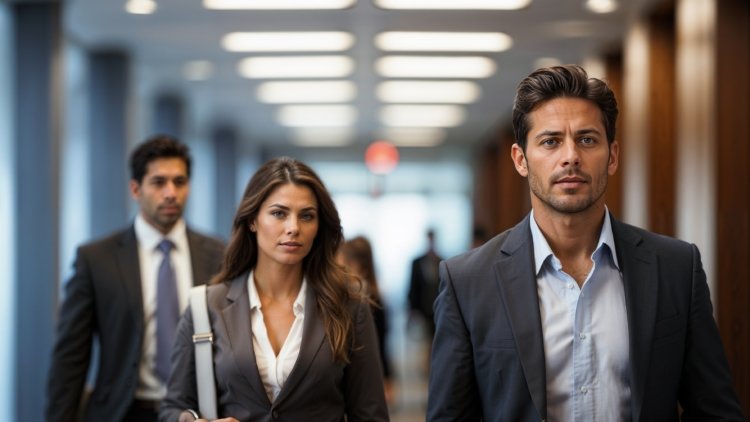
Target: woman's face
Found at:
286, 225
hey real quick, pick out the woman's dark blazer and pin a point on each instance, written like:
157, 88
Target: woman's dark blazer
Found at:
318, 389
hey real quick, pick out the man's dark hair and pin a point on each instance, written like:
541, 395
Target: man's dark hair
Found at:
568, 81
155, 148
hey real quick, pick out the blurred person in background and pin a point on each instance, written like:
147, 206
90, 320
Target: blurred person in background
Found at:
423, 285
572, 314
127, 294
292, 341
356, 255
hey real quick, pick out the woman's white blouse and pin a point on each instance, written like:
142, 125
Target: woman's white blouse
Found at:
273, 369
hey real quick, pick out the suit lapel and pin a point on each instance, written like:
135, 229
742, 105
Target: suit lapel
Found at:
313, 336
130, 270
639, 270
239, 328
517, 283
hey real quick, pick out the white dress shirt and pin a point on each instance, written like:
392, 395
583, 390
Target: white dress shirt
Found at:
273, 369
149, 258
585, 331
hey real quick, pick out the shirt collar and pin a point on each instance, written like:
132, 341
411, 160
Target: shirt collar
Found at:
542, 250
149, 237
299, 302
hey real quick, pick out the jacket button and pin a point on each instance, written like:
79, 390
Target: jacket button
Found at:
275, 414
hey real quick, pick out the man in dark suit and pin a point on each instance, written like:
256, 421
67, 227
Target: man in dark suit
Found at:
116, 290
423, 284
573, 315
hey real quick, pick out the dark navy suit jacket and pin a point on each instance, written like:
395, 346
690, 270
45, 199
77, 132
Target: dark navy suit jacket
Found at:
488, 353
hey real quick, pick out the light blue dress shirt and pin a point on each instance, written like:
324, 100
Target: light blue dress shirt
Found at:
585, 331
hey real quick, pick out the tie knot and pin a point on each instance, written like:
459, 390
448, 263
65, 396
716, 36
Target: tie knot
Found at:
165, 246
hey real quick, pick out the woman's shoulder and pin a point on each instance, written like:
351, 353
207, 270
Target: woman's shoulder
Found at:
219, 292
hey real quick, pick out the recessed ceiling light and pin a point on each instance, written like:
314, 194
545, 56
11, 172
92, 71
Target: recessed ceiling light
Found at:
323, 136
296, 67
197, 70
306, 92
422, 115
460, 92
601, 6
453, 4
413, 136
443, 41
277, 4
140, 7
434, 67
317, 115
288, 41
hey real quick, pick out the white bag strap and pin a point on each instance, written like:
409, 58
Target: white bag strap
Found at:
203, 340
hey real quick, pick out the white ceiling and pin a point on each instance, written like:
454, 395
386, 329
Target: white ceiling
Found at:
182, 31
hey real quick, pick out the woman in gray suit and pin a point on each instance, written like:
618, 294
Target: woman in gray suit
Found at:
292, 340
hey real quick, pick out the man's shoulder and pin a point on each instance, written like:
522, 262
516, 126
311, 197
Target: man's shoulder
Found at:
110, 240
206, 240
629, 234
482, 255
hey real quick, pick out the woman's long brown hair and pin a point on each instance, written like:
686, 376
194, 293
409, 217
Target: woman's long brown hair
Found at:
359, 250
324, 275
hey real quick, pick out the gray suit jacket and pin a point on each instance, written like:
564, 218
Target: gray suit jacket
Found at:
318, 389
103, 300
488, 354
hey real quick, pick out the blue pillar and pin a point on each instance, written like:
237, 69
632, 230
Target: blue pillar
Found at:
225, 145
108, 91
36, 98
7, 220
169, 111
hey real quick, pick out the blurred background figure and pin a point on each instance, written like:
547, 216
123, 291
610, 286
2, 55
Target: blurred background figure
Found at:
423, 289
356, 255
126, 296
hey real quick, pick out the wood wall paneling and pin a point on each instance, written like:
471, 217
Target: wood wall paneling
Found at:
733, 188
614, 74
661, 125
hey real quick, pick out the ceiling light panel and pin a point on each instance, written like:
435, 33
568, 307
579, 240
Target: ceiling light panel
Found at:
422, 115
140, 7
323, 136
458, 92
296, 67
601, 6
306, 92
434, 67
317, 115
443, 41
413, 136
287, 41
278, 4
453, 4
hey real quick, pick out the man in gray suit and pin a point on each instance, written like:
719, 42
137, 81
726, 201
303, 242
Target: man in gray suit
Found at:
573, 315
113, 294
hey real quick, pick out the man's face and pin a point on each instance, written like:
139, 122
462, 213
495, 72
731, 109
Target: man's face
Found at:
163, 192
567, 158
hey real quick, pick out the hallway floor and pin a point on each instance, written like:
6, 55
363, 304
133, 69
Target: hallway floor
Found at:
409, 350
